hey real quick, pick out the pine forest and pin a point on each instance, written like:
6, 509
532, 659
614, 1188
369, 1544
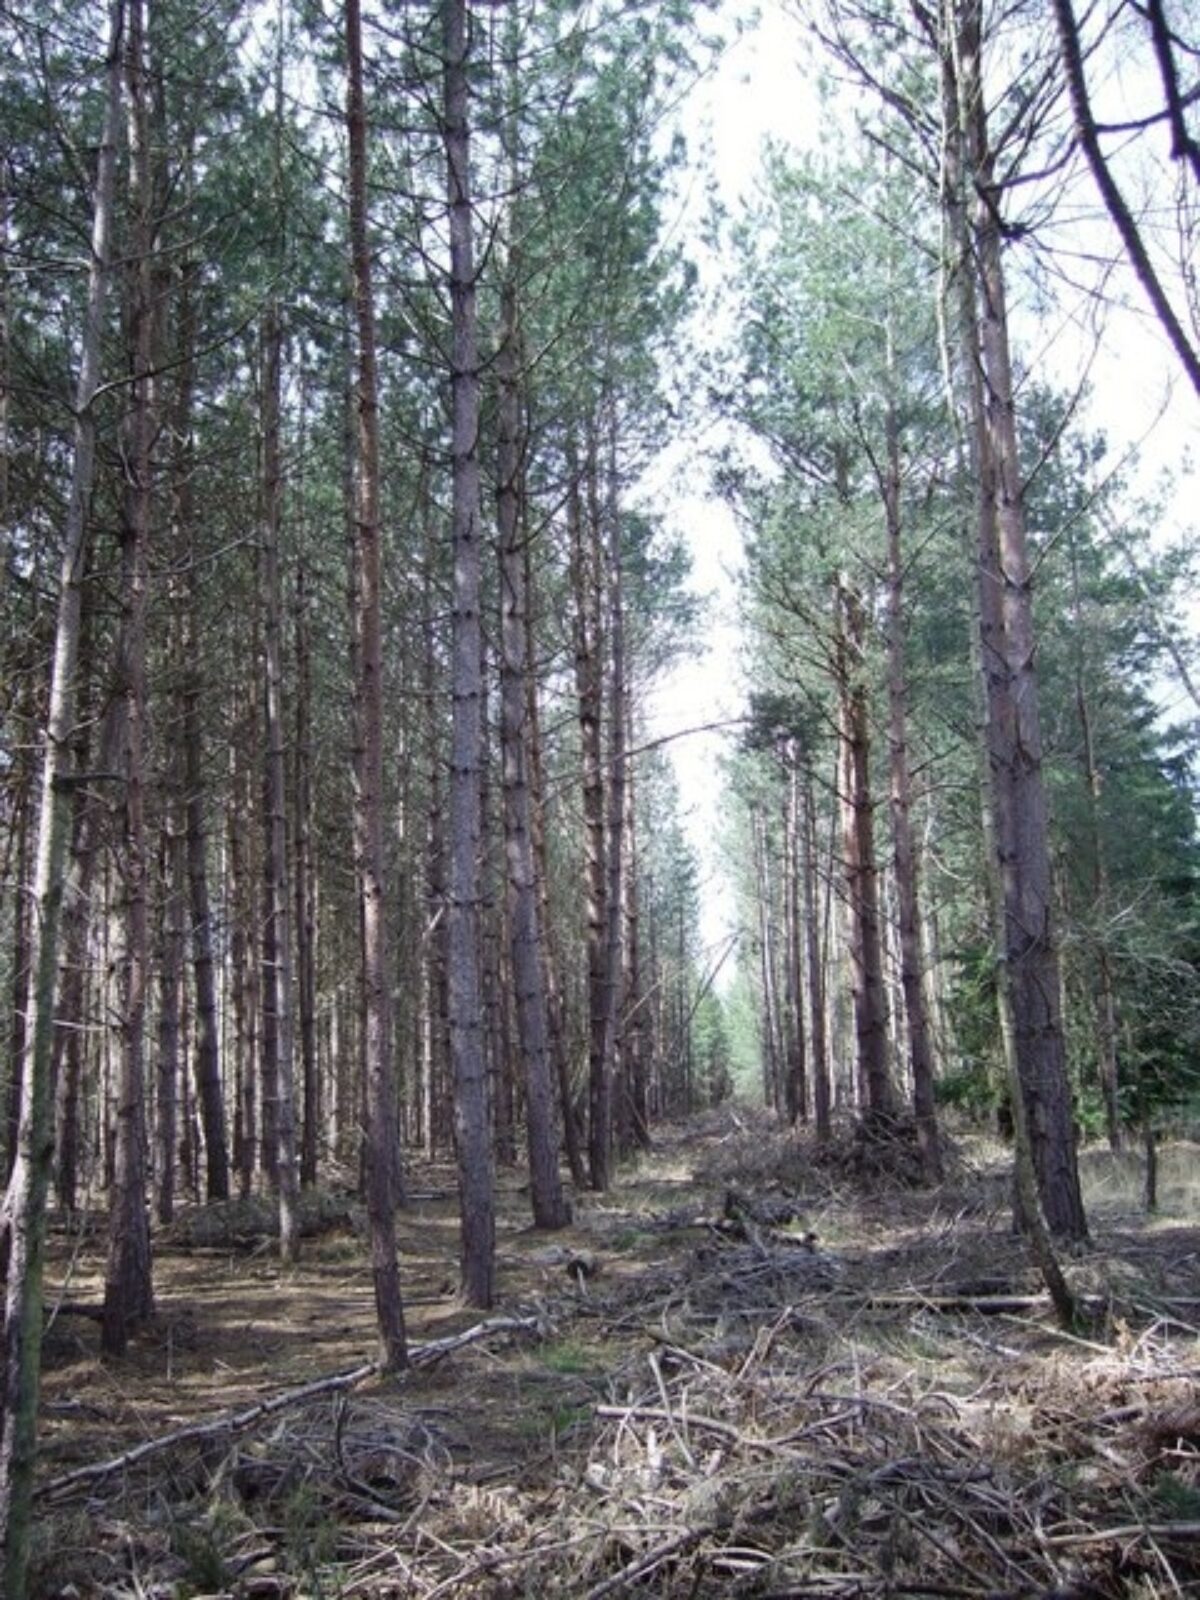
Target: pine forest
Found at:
599, 880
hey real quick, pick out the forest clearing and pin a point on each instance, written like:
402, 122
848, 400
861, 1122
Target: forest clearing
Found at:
708, 1410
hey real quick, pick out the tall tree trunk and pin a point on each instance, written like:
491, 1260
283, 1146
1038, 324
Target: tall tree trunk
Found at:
551, 964
476, 1164
22, 926
525, 935
209, 1087
815, 954
382, 1130
128, 1289
1029, 951
278, 1013
25, 1205
306, 927
920, 1048
635, 994
243, 955
586, 584
766, 954
858, 845
796, 1083
170, 995
1106, 999
614, 891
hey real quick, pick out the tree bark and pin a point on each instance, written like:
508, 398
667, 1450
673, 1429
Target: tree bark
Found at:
209, 1088
585, 584
819, 1052
25, 1198
1029, 951
476, 1164
858, 847
525, 935
382, 1130
128, 1289
278, 1011
920, 1049
305, 894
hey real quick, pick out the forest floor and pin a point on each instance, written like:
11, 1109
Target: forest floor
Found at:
685, 1394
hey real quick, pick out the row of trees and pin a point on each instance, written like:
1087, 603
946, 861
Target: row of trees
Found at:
327, 828
956, 619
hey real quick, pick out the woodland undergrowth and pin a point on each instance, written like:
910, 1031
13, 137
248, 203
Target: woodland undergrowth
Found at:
742, 1372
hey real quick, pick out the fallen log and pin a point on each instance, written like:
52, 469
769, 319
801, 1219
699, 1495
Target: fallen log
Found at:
235, 1422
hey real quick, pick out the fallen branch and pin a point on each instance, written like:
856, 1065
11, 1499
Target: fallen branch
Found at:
642, 1566
239, 1421
987, 1304
1133, 1530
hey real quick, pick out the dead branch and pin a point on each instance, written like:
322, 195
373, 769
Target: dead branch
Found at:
239, 1421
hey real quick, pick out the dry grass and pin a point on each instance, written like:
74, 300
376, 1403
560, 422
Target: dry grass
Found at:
710, 1415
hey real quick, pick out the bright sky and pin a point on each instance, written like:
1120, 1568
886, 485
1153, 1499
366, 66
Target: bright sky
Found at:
762, 87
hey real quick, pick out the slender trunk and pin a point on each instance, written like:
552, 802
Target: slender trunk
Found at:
306, 924
585, 583
170, 993
1106, 1000
382, 1125
27, 1190
476, 1165
278, 1014
770, 1062
614, 966
128, 1289
525, 934
635, 995
22, 926
920, 1049
815, 952
862, 878
209, 1087
1029, 951
796, 1085
551, 964
243, 964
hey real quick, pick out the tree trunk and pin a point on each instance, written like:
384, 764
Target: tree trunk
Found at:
525, 936
278, 1014
382, 1129
766, 926
170, 987
305, 893
796, 1084
476, 1167
614, 1064
858, 845
243, 962
128, 1289
1029, 951
585, 584
26, 1197
208, 1039
551, 964
920, 1049
1106, 1000
815, 952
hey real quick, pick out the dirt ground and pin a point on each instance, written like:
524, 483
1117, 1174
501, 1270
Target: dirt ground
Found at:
685, 1394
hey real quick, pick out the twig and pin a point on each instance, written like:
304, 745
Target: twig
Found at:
641, 1566
1188, 1531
